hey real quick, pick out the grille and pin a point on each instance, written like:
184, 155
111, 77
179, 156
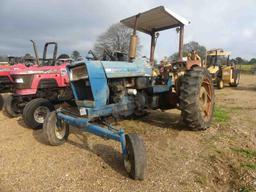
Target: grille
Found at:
27, 80
79, 72
5, 79
48, 83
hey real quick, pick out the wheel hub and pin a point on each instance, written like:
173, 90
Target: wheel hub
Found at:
40, 114
127, 165
206, 99
60, 130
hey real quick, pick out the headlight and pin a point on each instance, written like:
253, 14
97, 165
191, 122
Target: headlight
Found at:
19, 80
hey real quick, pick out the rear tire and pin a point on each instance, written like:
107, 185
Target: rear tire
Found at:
56, 133
197, 99
135, 162
35, 112
11, 106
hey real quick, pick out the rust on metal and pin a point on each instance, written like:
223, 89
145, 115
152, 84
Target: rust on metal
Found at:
181, 32
206, 95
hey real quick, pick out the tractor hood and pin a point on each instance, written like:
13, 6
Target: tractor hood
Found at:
40, 70
10, 68
115, 69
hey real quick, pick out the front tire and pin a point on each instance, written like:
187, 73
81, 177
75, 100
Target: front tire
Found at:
35, 112
1, 101
135, 161
11, 106
197, 99
55, 131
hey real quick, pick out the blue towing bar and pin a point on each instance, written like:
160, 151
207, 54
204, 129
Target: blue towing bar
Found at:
95, 129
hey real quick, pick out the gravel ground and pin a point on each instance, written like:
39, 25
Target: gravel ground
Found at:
178, 160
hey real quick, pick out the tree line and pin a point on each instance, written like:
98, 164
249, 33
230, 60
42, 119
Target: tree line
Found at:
117, 39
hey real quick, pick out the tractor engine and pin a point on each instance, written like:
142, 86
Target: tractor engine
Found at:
133, 89
103, 88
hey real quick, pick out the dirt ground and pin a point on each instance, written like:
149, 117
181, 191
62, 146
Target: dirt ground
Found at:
222, 158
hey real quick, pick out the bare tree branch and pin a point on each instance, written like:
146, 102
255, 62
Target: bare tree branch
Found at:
116, 38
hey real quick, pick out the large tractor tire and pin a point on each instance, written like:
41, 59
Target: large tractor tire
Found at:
12, 106
35, 112
55, 131
197, 99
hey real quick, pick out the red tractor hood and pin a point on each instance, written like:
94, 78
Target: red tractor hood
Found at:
35, 69
7, 69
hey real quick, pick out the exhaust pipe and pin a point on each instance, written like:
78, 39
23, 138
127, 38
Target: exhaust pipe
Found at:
133, 40
36, 53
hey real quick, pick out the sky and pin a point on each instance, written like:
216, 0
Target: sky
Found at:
76, 24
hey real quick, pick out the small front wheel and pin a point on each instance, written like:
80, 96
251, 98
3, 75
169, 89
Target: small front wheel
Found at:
1, 101
35, 112
12, 106
56, 131
135, 161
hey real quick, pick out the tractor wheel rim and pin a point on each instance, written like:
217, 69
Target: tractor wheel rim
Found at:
127, 164
206, 99
60, 131
40, 114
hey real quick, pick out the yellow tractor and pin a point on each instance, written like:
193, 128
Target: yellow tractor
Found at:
223, 71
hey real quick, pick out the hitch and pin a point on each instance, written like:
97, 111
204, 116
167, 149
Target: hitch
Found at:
56, 129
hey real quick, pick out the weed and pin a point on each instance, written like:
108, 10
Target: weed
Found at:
249, 165
245, 152
221, 115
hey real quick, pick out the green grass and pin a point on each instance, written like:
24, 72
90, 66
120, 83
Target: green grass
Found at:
246, 189
221, 115
199, 177
249, 165
247, 68
248, 153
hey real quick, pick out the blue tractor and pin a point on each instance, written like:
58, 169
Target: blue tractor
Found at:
124, 88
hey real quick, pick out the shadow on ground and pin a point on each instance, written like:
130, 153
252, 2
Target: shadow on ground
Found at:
22, 124
108, 154
168, 119
247, 88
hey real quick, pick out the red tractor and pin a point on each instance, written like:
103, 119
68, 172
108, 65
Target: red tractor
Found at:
6, 81
39, 88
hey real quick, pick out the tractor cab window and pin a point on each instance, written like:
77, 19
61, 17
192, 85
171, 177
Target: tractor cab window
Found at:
210, 60
217, 60
222, 60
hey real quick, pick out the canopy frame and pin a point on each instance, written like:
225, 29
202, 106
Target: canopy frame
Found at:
161, 19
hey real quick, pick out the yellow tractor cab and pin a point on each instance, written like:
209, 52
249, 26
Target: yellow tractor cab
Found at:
223, 71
